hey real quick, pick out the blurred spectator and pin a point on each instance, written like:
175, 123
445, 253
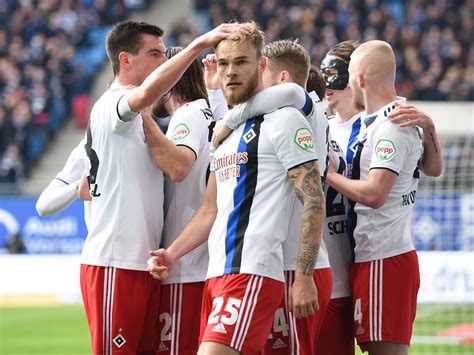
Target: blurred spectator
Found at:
15, 244
432, 39
48, 56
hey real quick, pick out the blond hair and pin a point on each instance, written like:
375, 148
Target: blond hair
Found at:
252, 35
290, 56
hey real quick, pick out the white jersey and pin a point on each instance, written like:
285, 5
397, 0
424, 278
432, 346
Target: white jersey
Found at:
384, 232
319, 124
254, 194
188, 127
346, 134
335, 230
126, 186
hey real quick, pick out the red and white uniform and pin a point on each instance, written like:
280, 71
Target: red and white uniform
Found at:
125, 223
254, 199
182, 290
268, 100
383, 243
338, 318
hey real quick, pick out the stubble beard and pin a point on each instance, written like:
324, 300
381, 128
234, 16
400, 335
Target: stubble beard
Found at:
358, 100
236, 97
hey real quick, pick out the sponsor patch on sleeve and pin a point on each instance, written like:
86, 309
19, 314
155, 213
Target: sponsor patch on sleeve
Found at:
385, 150
180, 132
304, 139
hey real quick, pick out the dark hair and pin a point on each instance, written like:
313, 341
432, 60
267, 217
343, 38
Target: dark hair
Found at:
290, 56
316, 82
344, 50
191, 86
126, 36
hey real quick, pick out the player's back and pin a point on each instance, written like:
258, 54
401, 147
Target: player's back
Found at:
126, 188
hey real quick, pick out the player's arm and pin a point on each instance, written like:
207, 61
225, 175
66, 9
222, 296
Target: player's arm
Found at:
83, 189
194, 234
431, 162
307, 186
217, 101
175, 161
56, 196
372, 192
162, 79
268, 100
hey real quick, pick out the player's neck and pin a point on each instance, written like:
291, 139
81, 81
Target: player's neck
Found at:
345, 113
173, 104
376, 99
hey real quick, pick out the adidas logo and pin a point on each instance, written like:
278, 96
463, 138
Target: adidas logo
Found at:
119, 340
219, 328
278, 344
360, 330
162, 347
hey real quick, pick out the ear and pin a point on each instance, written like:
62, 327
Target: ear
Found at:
124, 60
361, 80
285, 76
262, 64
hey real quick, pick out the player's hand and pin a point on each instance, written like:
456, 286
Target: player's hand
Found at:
210, 72
160, 263
409, 115
303, 296
219, 33
221, 132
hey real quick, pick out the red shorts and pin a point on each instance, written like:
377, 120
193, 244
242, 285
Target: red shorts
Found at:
384, 298
337, 331
122, 309
180, 312
284, 338
238, 310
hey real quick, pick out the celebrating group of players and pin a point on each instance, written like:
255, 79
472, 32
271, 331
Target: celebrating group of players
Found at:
283, 228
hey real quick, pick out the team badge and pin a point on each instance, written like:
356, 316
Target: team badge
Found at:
249, 136
180, 132
304, 139
385, 149
119, 340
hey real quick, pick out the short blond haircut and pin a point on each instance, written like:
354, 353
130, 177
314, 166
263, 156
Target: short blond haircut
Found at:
290, 56
253, 35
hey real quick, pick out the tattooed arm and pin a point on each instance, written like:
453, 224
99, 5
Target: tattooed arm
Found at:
431, 163
307, 185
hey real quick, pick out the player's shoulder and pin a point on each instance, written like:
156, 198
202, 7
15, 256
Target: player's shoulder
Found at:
287, 113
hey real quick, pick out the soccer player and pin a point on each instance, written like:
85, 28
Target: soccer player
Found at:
249, 196
288, 62
385, 275
126, 189
183, 155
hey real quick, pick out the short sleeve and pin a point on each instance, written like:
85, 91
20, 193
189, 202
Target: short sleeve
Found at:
292, 137
390, 146
188, 127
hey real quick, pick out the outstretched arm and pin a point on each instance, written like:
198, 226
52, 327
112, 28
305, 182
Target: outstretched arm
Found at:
431, 162
162, 79
268, 100
194, 234
307, 185
57, 196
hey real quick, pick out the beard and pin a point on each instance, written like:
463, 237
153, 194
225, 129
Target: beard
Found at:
358, 99
235, 97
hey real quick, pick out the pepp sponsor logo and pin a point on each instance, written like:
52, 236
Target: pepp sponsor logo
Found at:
180, 132
385, 149
304, 139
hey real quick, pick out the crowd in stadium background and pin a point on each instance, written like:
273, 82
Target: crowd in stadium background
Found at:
44, 45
